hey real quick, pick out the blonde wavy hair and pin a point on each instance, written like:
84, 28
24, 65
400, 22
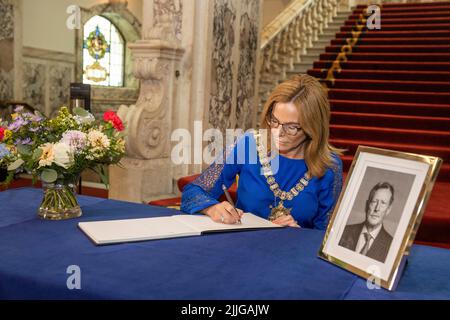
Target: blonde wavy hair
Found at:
311, 100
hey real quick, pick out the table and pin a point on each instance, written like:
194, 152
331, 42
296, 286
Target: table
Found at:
263, 264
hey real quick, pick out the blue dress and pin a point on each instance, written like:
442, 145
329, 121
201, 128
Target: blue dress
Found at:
311, 208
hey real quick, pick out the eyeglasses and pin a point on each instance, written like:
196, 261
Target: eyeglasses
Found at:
290, 128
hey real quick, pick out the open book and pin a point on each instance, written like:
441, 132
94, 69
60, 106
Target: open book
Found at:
128, 230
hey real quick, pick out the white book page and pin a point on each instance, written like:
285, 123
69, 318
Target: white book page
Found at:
204, 223
113, 231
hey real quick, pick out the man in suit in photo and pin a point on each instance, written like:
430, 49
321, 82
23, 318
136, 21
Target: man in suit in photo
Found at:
370, 238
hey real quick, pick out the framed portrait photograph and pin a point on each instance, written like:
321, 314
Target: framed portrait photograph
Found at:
379, 212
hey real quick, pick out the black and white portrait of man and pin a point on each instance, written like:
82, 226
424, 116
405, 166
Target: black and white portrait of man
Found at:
379, 199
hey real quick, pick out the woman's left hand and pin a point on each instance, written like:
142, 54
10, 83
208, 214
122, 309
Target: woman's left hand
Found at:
286, 220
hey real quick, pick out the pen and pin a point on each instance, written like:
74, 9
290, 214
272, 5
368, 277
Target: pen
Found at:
227, 194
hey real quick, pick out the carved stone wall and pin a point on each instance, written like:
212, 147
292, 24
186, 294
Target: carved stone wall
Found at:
247, 69
46, 79
34, 83
6, 50
234, 64
10, 49
172, 8
222, 63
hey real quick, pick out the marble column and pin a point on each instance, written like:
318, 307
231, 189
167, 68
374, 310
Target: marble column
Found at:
147, 169
10, 49
198, 61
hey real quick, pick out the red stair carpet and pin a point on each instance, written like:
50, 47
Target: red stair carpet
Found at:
393, 92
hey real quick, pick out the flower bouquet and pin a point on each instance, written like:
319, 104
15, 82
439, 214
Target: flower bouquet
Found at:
57, 150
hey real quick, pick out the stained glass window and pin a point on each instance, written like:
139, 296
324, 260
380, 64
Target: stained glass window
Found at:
103, 53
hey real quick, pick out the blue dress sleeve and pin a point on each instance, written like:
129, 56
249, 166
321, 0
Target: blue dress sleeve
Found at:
205, 191
330, 189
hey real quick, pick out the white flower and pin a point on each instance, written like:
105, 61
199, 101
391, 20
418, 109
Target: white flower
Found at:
63, 155
48, 155
98, 140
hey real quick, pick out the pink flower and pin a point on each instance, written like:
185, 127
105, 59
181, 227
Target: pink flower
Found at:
2, 133
113, 118
77, 140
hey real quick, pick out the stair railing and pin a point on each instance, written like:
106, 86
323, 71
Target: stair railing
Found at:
285, 40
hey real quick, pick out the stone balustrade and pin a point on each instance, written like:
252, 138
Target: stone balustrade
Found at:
286, 39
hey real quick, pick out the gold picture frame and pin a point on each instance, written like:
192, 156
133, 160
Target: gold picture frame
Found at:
379, 257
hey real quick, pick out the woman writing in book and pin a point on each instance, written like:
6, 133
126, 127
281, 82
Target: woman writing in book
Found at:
288, 172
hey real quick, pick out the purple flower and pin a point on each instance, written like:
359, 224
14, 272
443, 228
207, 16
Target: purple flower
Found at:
24, 141
36, 118
27, 141
3, 151
17, 124
18, 109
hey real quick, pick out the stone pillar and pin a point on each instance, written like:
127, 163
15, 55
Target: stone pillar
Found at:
198, 61
10, 50
146, 171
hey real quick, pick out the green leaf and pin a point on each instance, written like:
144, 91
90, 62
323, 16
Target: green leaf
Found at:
24, 149
28, 166
108, 131
16, 164
49, 175
80, 112
37, 154
99, 169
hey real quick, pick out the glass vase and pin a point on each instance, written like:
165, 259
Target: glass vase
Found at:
59, 202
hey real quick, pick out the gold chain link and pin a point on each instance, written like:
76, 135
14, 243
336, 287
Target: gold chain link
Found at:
273, 185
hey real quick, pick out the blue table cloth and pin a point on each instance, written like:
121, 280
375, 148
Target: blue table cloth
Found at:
263, 264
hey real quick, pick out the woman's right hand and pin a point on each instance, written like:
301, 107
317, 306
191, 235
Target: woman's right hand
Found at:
224, 213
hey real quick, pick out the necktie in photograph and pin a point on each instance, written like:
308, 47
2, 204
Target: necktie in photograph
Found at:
364, 250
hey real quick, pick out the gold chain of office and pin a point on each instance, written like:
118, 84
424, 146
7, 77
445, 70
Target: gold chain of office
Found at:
274, 186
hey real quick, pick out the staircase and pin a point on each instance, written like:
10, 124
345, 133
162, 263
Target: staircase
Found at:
295, 39
310, 54
313, 53
390, 88
394, 89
